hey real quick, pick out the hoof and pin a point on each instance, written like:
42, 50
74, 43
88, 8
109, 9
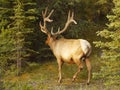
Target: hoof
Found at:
88, 83
81, 68
59, 81
73, 79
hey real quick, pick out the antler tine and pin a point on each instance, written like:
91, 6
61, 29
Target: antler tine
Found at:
59, 29
68, 15
42, 28
70, 19
44, 13
46, 18
73, 19
52, 31
72, 15
56, 32
46, 9
40, 24
50, 13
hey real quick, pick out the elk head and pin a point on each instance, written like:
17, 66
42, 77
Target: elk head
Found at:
51, 35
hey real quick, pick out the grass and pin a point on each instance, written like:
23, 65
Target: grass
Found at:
44, 76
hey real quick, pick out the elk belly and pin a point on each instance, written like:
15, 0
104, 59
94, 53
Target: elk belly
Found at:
66, 57
70, 55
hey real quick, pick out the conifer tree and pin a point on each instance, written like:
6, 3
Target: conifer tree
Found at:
24, 35
110, 70
6, 43
18, 37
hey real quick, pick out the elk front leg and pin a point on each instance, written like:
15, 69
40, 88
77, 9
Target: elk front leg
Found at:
60, 63
88, 64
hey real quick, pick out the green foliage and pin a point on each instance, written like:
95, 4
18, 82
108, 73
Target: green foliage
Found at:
5, 12
90, 10
17, 33
110, 70
5, 52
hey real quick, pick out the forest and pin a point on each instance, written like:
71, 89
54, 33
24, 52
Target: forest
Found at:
28, 63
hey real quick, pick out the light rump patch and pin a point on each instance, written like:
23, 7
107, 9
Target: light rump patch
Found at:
85, 46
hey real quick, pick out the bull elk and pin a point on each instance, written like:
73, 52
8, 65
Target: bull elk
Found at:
67, 50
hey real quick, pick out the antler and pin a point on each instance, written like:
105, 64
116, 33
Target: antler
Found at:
69, 20
45, 19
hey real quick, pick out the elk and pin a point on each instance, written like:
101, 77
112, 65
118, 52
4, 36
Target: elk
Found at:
71, 51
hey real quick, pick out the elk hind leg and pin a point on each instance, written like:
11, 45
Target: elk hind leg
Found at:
88, 64
79, 69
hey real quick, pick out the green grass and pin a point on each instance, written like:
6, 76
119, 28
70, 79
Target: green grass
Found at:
43, 76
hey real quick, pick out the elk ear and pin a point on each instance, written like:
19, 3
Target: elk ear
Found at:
48, 39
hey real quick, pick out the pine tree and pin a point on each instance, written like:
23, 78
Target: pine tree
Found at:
6, 44
18, 28
18, 37
23, 21
110, 70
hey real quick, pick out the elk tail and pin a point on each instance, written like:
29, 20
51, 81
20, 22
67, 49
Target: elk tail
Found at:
86, 55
